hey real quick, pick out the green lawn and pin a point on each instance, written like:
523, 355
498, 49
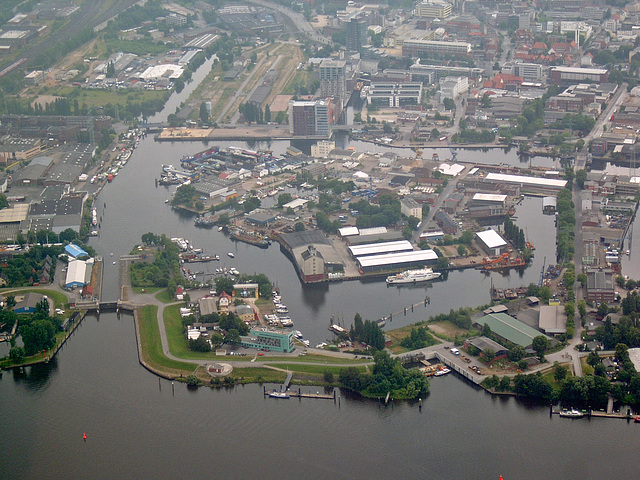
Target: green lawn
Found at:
252, 375
296, 367
177, 339
59, 298
151, 345
146, 290
164, 296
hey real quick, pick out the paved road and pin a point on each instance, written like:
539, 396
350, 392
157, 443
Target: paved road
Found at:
297, 19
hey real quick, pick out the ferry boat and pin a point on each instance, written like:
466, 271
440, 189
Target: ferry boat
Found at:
413, 276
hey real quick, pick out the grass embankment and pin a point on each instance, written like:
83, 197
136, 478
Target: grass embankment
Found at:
320, 368
163, 296
146, 289
178, 347
151, 346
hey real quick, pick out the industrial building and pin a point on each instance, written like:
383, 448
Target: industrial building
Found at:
358, 251
571, 75
415, 48
78, 273
529, 184
491, 242
509, 329
600, 286
397, 261
552, 320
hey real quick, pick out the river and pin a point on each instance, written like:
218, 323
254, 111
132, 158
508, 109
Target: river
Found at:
140, 427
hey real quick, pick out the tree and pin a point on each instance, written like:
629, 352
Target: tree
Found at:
449, 104
204, 113
233, 337
224, 284
462, 250
540, 344
267, 114
594, 359
517, 353
299, 227
489, 355
560, 372
16, 354
283, 199
328, 377
582, 307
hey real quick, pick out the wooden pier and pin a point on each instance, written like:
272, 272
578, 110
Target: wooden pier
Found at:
301, 394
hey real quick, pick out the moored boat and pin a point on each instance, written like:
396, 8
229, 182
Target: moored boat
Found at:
571, 413
413, 276
278, 394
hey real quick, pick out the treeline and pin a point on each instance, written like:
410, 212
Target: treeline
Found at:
387, 212
514, 234
419, 337
136, 16
473, 136
163, 271
580, 122
367, 332
459, 318
566, 220
625, 332
589, 391
389, 376
24, 270
253, 113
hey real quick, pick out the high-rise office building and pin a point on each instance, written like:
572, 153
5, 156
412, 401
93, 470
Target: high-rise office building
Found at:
356, 35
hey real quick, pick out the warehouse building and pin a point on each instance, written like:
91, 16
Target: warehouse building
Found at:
491, 242
600, 286
397, 261
508, 328
357, 251
528, 184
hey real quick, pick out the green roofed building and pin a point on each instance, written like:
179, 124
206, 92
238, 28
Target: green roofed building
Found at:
510, 329
269, 339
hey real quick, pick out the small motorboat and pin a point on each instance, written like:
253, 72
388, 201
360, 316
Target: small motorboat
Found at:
231, 255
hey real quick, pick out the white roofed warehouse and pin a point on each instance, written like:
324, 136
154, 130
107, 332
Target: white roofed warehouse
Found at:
492, 242
397, 261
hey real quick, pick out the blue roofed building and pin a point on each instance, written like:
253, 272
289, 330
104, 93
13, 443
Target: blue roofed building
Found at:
75, 251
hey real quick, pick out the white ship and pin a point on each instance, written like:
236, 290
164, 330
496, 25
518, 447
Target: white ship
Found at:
413, 276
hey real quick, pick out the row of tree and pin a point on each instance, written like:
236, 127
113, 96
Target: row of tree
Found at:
514, 234
566, 221
368, 332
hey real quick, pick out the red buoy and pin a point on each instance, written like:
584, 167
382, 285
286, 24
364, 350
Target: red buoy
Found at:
84, 437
